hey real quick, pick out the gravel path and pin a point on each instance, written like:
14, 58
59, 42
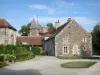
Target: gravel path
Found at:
45, 65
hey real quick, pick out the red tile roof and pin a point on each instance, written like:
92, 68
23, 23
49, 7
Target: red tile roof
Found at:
5, 24
47, 34
31, 40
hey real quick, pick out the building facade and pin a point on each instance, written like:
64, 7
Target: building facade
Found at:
7, 33
70, 39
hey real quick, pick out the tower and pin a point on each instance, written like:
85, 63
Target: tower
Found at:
34, 29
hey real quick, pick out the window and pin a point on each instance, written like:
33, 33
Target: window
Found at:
65, 50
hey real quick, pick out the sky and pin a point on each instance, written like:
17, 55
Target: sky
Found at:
21, 12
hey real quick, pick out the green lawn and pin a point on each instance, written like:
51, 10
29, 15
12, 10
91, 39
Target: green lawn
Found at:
76, 57
69, 57
78, 64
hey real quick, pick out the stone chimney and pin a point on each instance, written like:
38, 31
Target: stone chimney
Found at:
69, 19
57, 24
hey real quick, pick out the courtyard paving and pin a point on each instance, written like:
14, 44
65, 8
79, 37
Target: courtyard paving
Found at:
48, 65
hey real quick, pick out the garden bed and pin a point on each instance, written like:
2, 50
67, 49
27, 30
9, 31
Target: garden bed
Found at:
2, 64
78, 64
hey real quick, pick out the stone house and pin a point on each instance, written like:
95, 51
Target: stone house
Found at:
69, 39
7, 33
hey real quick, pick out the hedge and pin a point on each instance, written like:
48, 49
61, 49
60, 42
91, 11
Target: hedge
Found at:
35, 50
7, 57
19, 51
25, 56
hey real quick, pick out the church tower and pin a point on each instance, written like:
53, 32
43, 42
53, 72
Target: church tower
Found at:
34, 28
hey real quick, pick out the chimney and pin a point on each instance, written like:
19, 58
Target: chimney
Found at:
57, 24
69, 19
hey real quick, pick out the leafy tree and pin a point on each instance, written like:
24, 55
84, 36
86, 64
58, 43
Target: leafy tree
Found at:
50, 26
25, 30
96, 38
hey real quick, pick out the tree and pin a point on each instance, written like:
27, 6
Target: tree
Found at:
50, 27
25, 30
96, 39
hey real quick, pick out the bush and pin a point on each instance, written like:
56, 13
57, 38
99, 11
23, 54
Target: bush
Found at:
2, 49
1, 57
4, 57
21, 52
25, 56
35, 50
43, 53
9, 49
2, 64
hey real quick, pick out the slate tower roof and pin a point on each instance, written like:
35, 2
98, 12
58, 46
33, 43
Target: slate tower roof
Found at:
33, 24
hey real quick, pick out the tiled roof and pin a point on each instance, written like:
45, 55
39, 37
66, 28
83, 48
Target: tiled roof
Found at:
47, 34
31, 40
5, 24
33, 24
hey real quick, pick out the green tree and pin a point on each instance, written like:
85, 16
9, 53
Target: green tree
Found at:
25, 30
50, 27
96, 39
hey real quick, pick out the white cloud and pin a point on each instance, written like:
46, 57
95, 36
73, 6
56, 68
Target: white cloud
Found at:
38, 6
51, 11
60, 4
85, 20
57, 6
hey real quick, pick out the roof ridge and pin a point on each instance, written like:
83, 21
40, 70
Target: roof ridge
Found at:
5, 24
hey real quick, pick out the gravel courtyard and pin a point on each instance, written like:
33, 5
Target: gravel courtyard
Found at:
48, 65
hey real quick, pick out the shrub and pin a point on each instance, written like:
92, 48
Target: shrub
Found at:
2, 49
8, 52
35, 50
11, 57
4, 57
43, 53
25, 56
3, 64
26, 46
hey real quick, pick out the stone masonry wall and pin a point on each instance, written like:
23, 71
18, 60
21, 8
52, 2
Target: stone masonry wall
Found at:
10, 36
77, 40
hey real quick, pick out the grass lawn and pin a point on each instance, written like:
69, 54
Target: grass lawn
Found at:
76, 57
78, 64
69, 57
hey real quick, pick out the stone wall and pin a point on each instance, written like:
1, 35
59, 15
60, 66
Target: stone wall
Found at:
9, 38
34, 32
77, 40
